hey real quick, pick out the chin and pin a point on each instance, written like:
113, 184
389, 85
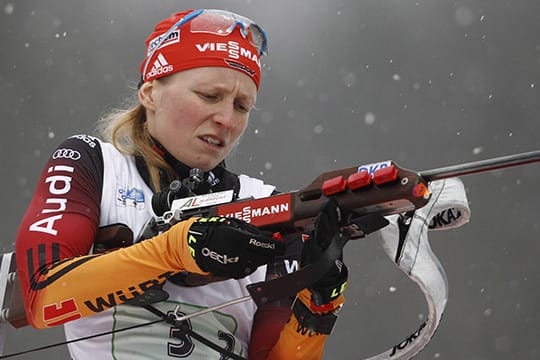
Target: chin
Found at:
201, 160
204, 165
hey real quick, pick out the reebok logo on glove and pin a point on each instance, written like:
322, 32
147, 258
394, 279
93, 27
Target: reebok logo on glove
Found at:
260, 244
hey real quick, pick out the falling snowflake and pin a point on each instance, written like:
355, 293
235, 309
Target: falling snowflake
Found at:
318, 129
369, 118
8, 9
477, 150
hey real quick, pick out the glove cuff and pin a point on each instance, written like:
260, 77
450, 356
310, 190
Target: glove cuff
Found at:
306, 297
180, 238
320, 324
318, 319
331, 286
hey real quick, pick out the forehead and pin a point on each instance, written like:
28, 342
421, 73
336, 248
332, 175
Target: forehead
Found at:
217, 77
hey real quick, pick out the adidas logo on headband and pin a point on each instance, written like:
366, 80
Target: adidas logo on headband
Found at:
161, 66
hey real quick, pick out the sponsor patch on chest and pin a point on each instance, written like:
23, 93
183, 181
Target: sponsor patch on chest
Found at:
129, 197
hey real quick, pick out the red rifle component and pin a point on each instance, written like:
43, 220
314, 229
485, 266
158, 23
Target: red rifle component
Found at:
334, 186
385, 175
420, 190
296, 211
259, 212
359, 180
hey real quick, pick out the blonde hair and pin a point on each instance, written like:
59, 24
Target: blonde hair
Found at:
126, 130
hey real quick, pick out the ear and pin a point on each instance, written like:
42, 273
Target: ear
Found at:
146, 95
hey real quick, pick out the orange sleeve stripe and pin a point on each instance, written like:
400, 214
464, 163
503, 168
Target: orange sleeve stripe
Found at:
82, 288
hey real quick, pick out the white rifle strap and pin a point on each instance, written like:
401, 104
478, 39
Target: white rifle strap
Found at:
447, 208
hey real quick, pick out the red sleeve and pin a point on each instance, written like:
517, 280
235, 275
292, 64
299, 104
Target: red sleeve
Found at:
268, 324
270, 319
63, 215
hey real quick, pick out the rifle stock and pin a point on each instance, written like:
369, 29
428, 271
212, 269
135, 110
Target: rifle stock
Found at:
382, 188
296, 211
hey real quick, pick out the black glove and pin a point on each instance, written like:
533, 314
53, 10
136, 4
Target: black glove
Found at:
327, 225
231, 248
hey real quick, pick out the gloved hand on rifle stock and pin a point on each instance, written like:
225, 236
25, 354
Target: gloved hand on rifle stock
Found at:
229, 247
325, 297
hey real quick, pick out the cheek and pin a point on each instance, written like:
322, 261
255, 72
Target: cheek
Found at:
240, 128
169, 127
177, 115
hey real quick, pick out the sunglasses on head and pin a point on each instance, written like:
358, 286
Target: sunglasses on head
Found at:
217, 22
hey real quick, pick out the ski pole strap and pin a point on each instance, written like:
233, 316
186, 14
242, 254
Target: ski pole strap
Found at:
407, 245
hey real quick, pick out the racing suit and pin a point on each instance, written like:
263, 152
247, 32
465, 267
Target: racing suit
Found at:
68, 277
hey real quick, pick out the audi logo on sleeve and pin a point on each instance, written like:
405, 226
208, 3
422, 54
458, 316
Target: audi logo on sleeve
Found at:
66, 154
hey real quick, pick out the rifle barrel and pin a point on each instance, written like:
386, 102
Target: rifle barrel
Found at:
481, 166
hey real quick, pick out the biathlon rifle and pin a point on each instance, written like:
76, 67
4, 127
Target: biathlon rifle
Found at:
366, 193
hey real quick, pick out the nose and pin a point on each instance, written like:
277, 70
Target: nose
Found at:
225, 115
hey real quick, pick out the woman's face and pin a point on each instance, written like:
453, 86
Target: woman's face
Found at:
198, 115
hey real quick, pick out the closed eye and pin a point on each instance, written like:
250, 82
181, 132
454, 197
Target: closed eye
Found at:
241, 107
207, 96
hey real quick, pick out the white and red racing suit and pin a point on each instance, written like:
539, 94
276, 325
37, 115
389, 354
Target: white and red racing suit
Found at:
86, 186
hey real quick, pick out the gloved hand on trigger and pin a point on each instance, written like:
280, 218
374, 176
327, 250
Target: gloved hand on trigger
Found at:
333, 283
232, 248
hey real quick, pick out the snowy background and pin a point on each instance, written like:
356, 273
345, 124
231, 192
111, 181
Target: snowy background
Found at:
426, 83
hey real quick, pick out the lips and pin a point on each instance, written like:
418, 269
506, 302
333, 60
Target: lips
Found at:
213, 140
